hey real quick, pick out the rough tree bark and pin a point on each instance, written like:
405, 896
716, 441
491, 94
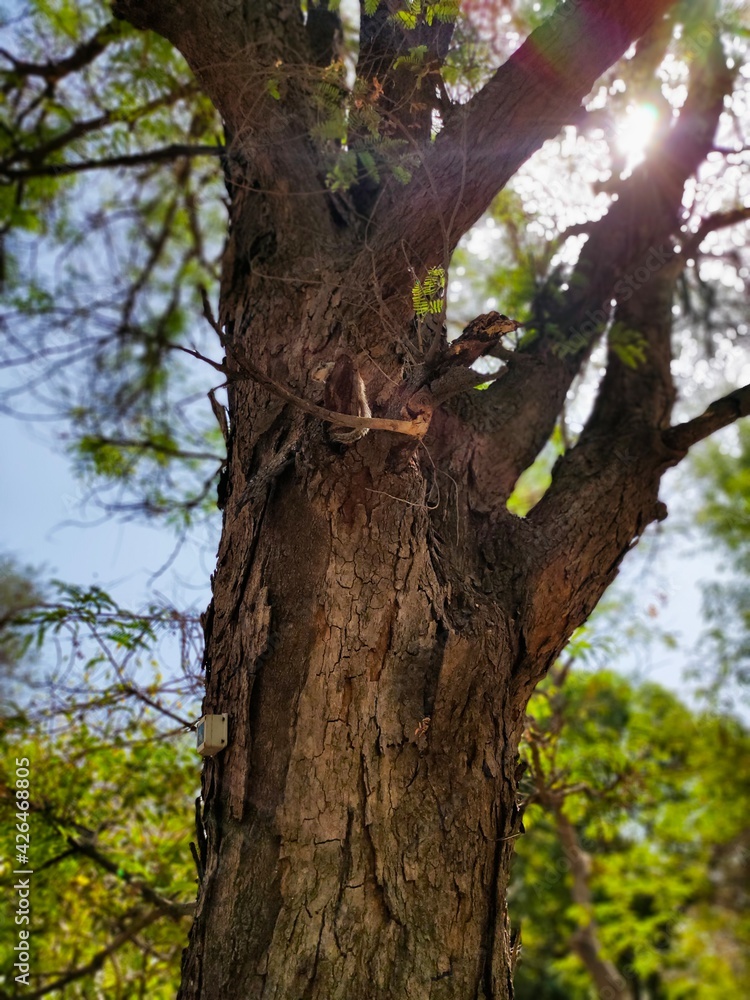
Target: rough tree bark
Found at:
379, 619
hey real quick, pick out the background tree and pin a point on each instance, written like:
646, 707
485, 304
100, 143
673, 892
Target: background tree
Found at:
724, 513
636, 845
113, 885
113, 778
380, 618
19, 591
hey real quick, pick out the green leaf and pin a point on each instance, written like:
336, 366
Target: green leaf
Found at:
427, 295
629, 345
414, 59
272, 86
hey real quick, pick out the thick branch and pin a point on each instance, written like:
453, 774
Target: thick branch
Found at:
627, 249
254, 62
712, 223
229, 46
324, 32
721, 413
604, 491
161, 16
485, 141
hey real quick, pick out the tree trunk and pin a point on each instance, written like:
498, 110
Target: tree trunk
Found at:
361, 821
360, 824
374, 636
610, 984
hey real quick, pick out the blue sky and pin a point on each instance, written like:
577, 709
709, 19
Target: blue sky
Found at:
45, 524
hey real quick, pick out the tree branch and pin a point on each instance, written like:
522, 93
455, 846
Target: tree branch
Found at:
403, 86
721, 413
130, 689
526, 102
147, 445
246, 370
324, 32
167, 906
173, 152
719, 220
254, 62
628, 248
162, 16
604, 491
585, 941
81, 56
229, 46
139, 924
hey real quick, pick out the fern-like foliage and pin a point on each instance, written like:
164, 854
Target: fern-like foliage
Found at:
427, 295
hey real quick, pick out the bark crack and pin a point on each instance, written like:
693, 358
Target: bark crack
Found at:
489, 935
372, 850
346, 868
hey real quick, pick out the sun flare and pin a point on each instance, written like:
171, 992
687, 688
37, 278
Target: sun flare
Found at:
635, 130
